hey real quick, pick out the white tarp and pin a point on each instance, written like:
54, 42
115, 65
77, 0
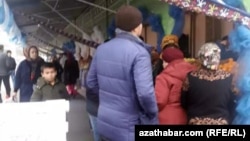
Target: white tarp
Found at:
34, 121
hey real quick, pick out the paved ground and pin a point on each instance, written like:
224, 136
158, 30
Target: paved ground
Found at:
79, 127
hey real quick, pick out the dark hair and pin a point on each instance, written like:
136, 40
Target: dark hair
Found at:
224, 38
141, 38
106, 40
34, 47
8, 51
48, 65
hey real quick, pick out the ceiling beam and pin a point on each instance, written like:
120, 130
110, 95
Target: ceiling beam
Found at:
27, 24
63, 17
61, 10
33, 24
19, 3
97, 6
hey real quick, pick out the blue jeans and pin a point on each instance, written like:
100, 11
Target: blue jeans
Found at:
93, 122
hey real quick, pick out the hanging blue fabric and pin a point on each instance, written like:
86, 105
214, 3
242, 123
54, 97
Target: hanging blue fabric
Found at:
69, 47
235, 3
145, 13
239, 39
155, 22
178, 15
2, 11
111, 29
11, 23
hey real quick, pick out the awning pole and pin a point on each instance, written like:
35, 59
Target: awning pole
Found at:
127, 2
97, 6
50, 34
67, 20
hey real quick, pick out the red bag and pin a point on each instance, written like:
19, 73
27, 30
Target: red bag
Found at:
71, 90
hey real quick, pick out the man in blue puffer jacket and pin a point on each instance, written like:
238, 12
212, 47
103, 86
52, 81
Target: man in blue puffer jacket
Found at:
121, 69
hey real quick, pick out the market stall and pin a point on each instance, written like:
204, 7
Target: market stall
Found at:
236, 11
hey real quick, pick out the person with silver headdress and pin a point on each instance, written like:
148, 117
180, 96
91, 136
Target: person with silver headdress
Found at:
207, 92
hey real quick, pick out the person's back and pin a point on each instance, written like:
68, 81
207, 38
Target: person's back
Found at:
117, 74
59, 70
209, 97
168, 87
122, 70
207, 93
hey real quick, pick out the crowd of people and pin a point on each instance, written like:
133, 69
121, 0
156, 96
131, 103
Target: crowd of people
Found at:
130, 84
39, 80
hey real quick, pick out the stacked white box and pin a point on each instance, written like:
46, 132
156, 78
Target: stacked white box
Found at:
35, 121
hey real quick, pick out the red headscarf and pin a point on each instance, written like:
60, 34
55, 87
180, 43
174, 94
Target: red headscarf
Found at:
170, 54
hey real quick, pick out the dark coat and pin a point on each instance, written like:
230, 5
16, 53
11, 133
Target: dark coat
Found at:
45, 91
208, 94
3, 65
121, 69
157, 69
92, 100
71, 72
23, 79
59, 70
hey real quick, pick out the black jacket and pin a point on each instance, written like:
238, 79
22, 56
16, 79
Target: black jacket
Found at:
92, 100
59, 70
71, 72
157, 69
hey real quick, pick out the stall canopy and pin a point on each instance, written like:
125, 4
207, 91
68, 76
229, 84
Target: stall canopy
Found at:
9, 31
221, 9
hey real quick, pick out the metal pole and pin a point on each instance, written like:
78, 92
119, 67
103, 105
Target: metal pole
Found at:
50, 34
60, 10
56, 4
127, 2
98, 6
67, 20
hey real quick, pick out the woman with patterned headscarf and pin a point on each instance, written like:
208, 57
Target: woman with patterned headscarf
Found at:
207, 92
169, 41
27, 73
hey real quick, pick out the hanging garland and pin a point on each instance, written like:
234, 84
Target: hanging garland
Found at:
60, 31
213, 8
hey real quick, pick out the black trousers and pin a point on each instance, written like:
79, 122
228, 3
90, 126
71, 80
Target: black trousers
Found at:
6, 82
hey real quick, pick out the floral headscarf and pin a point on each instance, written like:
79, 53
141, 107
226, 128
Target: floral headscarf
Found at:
209, 55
